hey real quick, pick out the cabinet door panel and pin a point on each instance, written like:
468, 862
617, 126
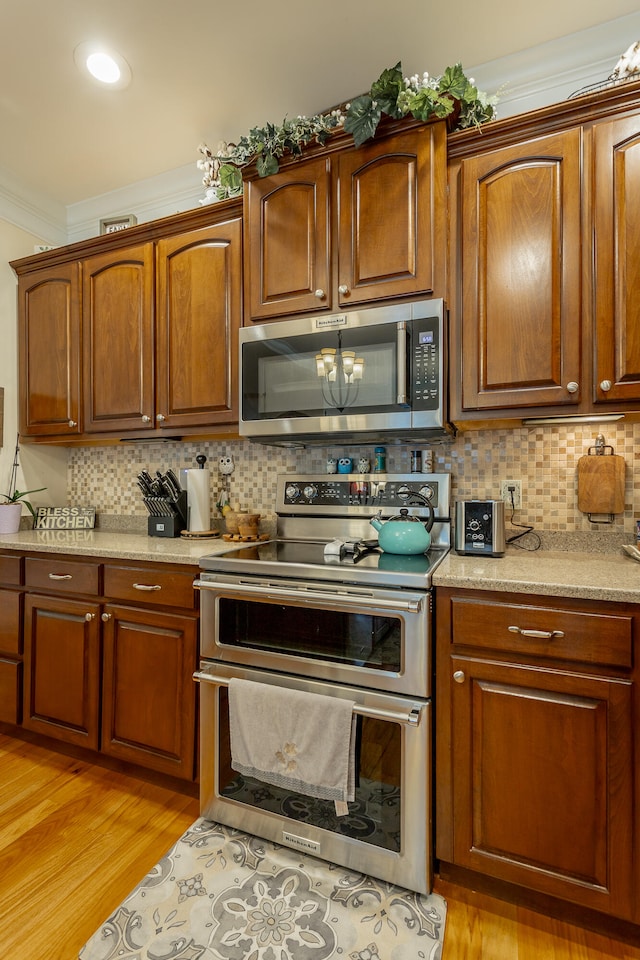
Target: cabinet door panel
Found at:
49, 349
62, 669
617, 259
10, 622
198, 318
10, 691
148, 710
287, 252
542, 793
118, 340
392, 216
521, 261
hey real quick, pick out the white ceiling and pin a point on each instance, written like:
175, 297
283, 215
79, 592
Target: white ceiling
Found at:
209, 71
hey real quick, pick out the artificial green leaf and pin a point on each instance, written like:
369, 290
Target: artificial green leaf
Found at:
386, 89
362, 120
267, 164
230, 178
454, 81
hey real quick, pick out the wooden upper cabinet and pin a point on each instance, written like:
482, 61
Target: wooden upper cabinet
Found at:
198, 315
617, 257
521, 267
49, 351
350, 227
392, 202
287, 220
118, 294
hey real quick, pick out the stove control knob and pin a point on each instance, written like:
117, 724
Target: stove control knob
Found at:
427, 491
310, 491
404, 491
292, 491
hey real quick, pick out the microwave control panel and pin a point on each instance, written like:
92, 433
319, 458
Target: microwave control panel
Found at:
426, 363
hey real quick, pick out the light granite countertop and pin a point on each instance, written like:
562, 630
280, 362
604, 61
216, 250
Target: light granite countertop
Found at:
554, 573
117, 545
573, 573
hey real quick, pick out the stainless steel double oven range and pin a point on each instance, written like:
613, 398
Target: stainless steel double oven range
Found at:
321, 609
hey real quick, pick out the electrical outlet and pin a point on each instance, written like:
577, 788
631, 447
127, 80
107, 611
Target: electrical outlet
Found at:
506, 493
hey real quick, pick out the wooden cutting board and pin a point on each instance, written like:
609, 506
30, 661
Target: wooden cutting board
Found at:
601, 484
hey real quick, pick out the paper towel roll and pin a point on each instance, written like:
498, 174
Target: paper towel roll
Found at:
198, 500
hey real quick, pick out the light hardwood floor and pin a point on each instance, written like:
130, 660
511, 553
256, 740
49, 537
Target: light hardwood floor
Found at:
75, 838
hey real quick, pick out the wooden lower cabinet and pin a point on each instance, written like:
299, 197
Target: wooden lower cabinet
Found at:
62, 669
148, 699
535, 752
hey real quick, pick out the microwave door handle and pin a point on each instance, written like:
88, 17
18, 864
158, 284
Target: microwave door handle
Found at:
401, 362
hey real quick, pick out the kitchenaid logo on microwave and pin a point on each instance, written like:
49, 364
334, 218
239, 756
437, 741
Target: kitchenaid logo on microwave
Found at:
338, 320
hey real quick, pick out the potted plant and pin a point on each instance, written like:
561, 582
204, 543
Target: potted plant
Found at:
11, 506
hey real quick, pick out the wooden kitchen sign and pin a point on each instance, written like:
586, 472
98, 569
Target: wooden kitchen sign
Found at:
65, 518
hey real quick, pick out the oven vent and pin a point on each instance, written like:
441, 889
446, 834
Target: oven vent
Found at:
311, 846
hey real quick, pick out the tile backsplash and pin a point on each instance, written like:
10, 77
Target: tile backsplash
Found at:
544, 458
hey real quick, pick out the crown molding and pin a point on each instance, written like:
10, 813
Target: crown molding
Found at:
526, 80
35, 213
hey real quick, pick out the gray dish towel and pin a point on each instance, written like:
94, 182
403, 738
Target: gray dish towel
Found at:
302, 742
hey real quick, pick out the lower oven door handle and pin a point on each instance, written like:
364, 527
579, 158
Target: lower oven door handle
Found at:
378, 713
313, 596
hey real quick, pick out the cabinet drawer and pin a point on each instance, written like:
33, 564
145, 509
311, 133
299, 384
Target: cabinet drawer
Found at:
10, 686
543, 631
10, 570
171, 588
62, 576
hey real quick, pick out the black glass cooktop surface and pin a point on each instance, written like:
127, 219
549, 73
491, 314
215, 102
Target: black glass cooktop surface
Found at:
312, 559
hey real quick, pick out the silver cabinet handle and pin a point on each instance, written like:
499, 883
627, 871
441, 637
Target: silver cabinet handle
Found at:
573, 387
145, 418
60, 576
160, 417
73, 423
343, 288
147, 586
105, 617
89, 616
537, 634
319, 294
605, 385
459, 676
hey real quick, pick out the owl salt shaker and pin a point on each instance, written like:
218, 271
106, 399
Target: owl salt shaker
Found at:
345, 465
364, 465
332, 465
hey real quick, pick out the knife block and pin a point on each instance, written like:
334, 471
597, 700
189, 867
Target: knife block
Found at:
170, 526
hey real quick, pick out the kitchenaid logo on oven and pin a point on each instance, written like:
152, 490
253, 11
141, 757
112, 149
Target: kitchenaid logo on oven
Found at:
337, 320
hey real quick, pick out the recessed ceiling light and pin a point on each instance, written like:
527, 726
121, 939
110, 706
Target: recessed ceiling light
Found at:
102, 65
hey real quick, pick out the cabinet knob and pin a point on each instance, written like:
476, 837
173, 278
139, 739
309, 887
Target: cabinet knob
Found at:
89, 616
146, 419
72, 423
459, 676
160, 417
105, 617
343, 288
319, 294
573, 387
605, 385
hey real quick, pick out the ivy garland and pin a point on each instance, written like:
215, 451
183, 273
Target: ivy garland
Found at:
424, 98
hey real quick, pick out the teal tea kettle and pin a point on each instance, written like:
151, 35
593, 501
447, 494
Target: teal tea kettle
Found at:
404, 534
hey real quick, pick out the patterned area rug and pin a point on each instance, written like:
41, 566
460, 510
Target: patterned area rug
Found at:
221, 894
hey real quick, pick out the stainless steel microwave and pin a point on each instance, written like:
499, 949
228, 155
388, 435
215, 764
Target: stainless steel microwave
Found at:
359, 376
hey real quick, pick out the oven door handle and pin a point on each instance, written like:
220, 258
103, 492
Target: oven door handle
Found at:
307, 596
411, 717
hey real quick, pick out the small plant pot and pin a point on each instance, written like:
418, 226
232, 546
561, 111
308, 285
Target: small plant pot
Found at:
10, 514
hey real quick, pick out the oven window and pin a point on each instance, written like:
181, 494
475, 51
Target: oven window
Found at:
360, 639
374, 816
